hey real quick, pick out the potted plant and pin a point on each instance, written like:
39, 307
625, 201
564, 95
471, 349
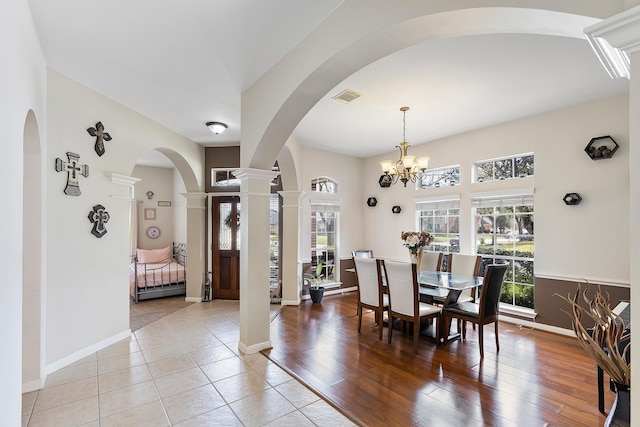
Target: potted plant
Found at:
608, 345
315, 280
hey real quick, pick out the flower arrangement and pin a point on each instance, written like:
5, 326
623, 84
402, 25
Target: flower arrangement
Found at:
416, 239
608, 332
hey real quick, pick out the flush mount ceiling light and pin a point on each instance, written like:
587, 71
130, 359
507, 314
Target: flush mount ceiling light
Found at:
216, 127
407, 168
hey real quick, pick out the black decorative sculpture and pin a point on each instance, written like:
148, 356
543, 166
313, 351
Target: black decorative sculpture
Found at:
385, 181
396, 209
572, 199
73, 169
99, 217
372, 201
601, 147
101, 136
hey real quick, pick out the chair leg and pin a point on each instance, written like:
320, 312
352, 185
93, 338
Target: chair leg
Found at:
359, 317
464, 329
416, 335
497, 342
390, 327
380, 314
481, 341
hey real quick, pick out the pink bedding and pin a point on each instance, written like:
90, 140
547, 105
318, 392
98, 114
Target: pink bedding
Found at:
155, 275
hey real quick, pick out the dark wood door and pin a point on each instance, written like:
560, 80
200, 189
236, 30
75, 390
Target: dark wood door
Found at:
226, 247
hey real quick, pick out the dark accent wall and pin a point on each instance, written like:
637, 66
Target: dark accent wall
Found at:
219, 157
347, 278
549, 306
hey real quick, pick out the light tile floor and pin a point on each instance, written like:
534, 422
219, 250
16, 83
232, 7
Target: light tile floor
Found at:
182, 370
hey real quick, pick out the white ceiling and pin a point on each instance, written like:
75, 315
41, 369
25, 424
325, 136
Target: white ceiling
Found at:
183, 63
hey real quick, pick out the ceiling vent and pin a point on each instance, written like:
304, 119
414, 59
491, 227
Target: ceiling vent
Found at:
346, 96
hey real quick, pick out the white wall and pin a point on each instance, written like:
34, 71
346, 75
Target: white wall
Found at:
587, 241
87, 298
160, 182
23, 86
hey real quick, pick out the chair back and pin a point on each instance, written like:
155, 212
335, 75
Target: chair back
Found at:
431, 261
369, 281
363, 253
491, 290
402, 285
466, 265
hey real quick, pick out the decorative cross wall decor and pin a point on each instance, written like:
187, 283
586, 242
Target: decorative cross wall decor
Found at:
101, 136
99, 217
73, 169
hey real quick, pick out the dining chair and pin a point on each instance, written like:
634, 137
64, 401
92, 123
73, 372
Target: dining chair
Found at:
404, 298
464, 265
370, 295
431, 261
485, 311
362, 253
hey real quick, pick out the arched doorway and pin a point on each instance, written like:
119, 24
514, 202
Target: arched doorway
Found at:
32, 285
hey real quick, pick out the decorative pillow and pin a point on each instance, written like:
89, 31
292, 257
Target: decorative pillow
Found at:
154, 255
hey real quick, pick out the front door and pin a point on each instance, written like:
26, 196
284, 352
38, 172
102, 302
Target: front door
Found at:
226, 247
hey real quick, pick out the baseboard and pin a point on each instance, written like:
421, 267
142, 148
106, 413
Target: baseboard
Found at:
539, 326
33, 385
193, 299
290, 302
80, 354
254, 348
333, 292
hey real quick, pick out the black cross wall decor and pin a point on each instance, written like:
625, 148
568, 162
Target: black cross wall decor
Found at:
101, 136
99, 217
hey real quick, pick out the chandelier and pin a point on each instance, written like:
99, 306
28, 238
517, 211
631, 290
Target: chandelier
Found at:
405, 169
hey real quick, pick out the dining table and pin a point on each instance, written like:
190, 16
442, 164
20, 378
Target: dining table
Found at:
448, 286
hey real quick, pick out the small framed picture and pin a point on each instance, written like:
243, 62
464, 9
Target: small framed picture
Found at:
164, 203
150, 213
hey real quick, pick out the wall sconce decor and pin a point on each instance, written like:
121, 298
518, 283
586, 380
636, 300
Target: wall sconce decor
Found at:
396, 209
372, 201
572, 199
150, 194
601, 147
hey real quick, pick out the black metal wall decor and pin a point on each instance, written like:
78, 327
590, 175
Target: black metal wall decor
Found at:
385, 181
601, 147
101, 136
73, 169
372, 201
396, 209
99, 217
572, 199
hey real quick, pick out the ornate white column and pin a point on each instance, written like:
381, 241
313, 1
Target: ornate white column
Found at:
255, 192
196, 214
291, 274
620, 36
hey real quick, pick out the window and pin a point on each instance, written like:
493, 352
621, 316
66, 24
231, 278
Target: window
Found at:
274, 244
442, 220
443, 177
324, 185
224, 178
324, 226
505, 168
504, 234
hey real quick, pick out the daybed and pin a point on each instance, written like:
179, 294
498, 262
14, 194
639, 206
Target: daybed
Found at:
156, 273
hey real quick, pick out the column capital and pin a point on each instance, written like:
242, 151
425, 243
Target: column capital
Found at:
116, 178
194, 199
256, 174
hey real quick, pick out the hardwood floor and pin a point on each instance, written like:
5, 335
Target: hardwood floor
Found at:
537, 378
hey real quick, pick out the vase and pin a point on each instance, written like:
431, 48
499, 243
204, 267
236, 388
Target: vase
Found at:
316, 294
416, 257
620, 413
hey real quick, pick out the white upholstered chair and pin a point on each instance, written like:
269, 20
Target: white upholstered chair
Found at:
431, 261
404, 301
370, 289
